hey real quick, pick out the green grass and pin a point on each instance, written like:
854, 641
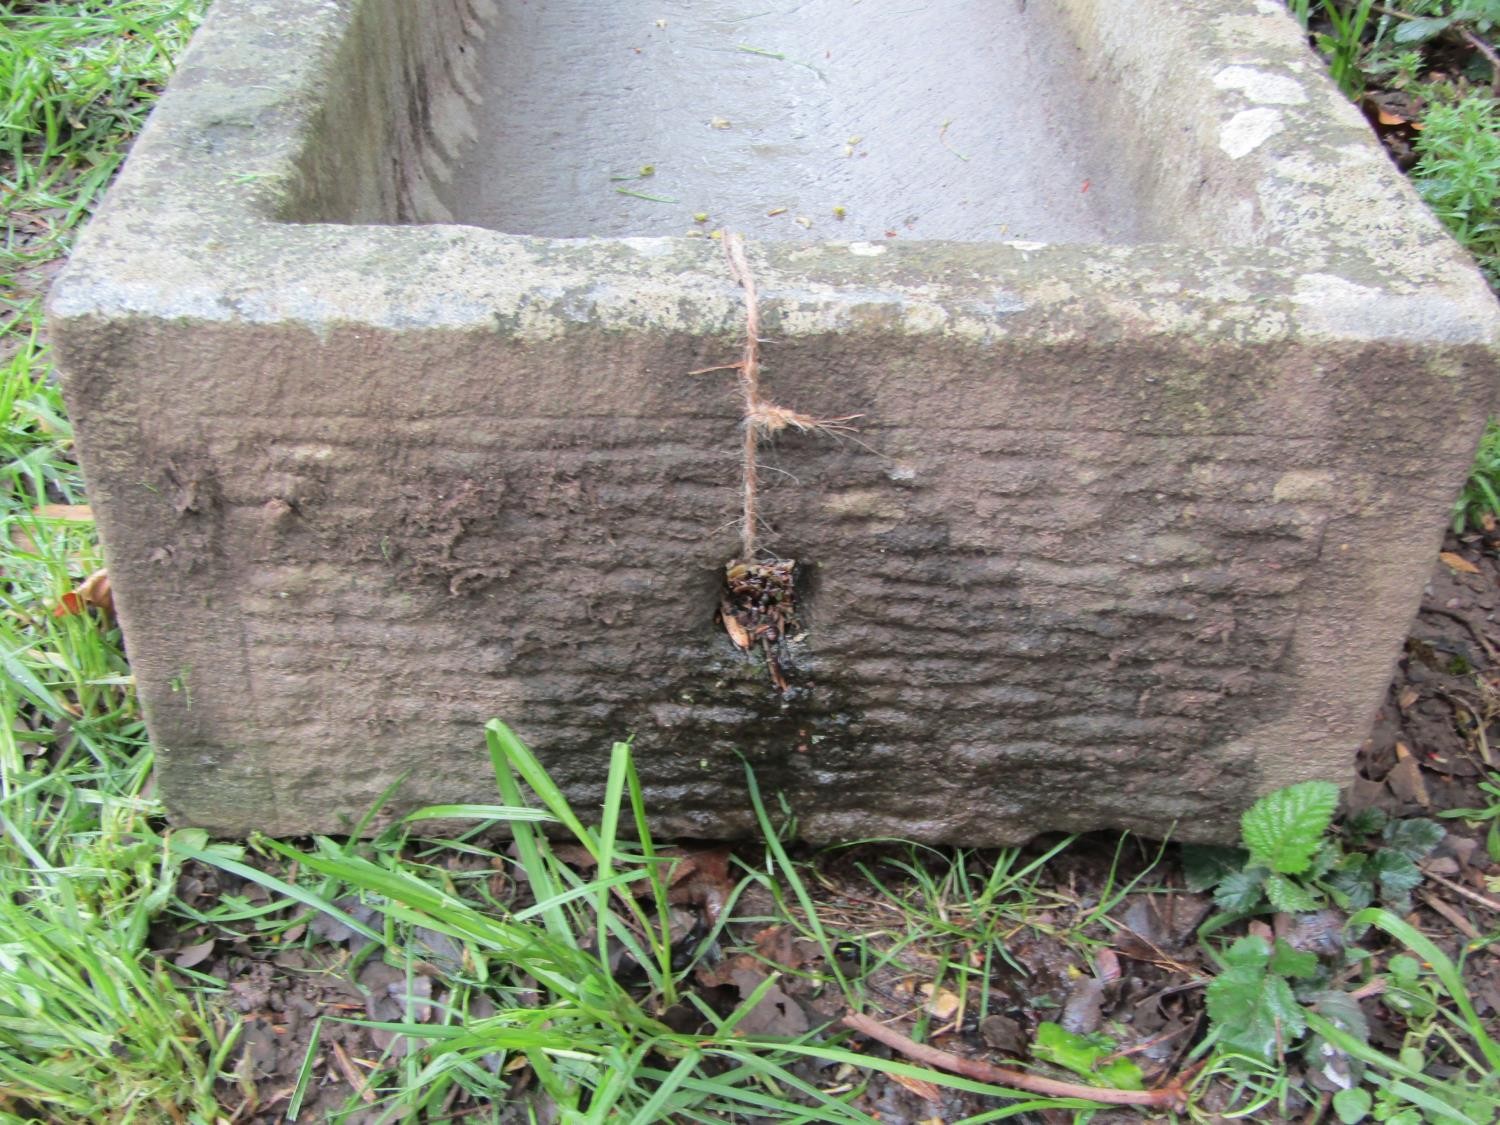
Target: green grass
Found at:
576, 987
91, 1027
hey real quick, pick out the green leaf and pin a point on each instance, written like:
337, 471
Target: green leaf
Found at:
1366, 822
1254, 1011
1060, 1047
1250, 952
1283, 829
1420, 30
1404, 969
1203, 865
1121, 1074
1343, 1011
1351, 885
1413, 838
1289, 962
1083, 1055
1352, 1105
1328, 857
478, 812
1398, 876
1291, 897
1241, 890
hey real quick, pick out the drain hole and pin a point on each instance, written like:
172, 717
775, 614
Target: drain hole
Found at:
758, 609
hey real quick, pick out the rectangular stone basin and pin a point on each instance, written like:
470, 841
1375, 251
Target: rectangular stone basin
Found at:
387, 355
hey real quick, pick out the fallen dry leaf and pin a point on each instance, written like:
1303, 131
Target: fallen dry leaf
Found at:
192, 955
1455, 561
70, 513
92, 591
737, 632
780, 946
702, 879
940, 1001
1405, 779
919, 1086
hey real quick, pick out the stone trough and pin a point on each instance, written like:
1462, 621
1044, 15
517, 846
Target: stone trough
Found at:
379, 357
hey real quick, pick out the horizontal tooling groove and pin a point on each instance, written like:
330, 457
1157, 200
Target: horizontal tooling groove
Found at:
313, 424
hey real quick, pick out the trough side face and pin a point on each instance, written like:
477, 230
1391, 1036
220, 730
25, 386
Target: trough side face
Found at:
1127, 534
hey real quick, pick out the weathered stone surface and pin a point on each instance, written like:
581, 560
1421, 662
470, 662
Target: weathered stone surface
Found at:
1131, 531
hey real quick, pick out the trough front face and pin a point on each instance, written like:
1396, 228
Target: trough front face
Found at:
383, 372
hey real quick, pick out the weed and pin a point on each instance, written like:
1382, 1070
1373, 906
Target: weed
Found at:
1480, 498
1290, 864
1270, 998
1458, 174
1344, 44
1432, 18
92, 1027
586, 989
1491, 813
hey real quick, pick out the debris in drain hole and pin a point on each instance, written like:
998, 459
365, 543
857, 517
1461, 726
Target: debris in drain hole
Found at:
758, 607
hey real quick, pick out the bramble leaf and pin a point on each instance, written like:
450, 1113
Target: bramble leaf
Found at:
1421, 29
1365, 822
1253, 1009
1283, 829
1289, 962
1240, 890
1285, 895
1250, 952
1398, 877
1413, 838
1203, 865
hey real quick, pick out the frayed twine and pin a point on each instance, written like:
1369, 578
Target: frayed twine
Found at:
762, 418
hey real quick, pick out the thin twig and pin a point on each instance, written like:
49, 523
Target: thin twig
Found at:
353, 1076
1165, 1097
1488, 52
1458, 888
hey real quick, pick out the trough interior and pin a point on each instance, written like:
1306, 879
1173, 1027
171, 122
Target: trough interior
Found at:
973, 120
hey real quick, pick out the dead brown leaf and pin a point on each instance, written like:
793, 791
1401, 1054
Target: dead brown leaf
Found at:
92, 591
941, 1002
702, 880
775, 1013
192, 955
1405, 779
779, 945
1454, 561
919, 1086
67, 513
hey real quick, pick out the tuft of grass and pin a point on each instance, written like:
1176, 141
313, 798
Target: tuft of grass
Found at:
1458, 174
581, 994
92, 1027
1480, 498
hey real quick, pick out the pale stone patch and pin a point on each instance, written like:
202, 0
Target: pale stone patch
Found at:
1247, 130
1261, 86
